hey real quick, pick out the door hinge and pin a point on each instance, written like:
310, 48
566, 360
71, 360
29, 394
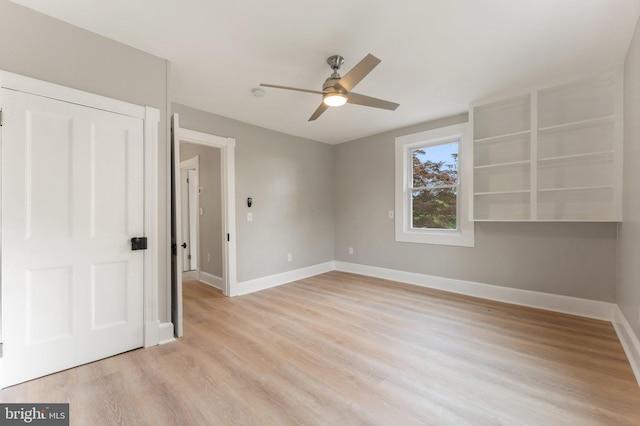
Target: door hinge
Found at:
0, 117
188, 256
227, 237
1, 349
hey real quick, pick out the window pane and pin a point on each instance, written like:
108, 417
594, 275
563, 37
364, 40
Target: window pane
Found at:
435, 165
434, 208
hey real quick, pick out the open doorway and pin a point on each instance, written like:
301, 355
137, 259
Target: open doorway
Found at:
201, 206
191, 212
203, 214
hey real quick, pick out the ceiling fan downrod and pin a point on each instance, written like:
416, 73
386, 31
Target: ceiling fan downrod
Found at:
335, 62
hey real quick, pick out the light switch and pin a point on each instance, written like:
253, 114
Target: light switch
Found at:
201, 211
249, 217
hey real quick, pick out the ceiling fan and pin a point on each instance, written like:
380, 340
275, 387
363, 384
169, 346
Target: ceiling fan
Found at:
336, 90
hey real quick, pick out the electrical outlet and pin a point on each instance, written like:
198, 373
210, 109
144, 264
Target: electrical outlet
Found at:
289, 257
350, 250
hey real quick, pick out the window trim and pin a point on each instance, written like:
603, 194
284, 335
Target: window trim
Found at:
464, 234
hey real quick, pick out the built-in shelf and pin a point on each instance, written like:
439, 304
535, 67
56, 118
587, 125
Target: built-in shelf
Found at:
577, 188
578, 204
503, 206
550, 155
503, 118
511, 148
502, 193
493, 139
578, 124
503, 165
591, 156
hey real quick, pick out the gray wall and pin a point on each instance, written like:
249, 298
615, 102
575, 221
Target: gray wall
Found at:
573, 259
291, 182
210, 235
41, 47
628, 277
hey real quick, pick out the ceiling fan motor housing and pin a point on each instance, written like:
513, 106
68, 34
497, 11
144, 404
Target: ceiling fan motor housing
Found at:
331, 86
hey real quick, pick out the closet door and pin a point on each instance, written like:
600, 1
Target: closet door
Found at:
72, 199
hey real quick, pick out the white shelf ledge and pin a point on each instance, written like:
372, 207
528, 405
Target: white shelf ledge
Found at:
514, 192
604, 155
577, 188
505, 136
592, 122
505, 165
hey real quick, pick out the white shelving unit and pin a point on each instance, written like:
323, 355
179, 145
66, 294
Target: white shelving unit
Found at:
550, 155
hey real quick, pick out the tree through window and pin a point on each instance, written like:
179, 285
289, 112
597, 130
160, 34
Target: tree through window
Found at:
434, 186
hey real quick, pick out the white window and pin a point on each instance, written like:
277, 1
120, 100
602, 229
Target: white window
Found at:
434, 173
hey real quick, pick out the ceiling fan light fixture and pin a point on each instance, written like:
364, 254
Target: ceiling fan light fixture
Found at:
334, 99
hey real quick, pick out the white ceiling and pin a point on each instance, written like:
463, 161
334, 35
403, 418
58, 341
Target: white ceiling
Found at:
437, 55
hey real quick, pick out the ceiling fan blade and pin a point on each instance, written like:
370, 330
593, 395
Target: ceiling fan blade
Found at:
357, 73
292, 88
358, 99
322, 108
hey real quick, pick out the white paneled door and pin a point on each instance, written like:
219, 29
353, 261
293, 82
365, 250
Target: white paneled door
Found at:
72, 199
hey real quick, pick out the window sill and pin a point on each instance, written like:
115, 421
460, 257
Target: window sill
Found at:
444, 238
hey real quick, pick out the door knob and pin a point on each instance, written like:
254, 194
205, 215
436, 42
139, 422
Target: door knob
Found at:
139, 243
184, 245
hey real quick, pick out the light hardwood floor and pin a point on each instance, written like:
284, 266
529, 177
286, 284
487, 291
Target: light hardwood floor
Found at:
341, 349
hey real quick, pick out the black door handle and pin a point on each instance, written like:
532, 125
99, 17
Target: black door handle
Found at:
139, 243
184, 245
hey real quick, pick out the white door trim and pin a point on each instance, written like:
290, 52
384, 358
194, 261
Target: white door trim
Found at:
227, 163
151, 117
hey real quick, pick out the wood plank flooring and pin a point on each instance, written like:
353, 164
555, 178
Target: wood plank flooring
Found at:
341, 349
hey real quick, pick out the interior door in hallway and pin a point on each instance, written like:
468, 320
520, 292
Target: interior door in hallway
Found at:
72, 199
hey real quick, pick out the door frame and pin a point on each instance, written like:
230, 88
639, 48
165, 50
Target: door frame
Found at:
151, 120
227, 165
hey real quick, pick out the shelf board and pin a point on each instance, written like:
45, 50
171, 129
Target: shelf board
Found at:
586, 156
578, 124
577, 188
547, 220
503, 220
586, 219
505, 136
515, 192
500, 165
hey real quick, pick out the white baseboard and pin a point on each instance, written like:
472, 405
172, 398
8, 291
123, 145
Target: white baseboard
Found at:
166, 333
190, 275
263, 283
151, 333
534, 299
210, 279
629, 341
